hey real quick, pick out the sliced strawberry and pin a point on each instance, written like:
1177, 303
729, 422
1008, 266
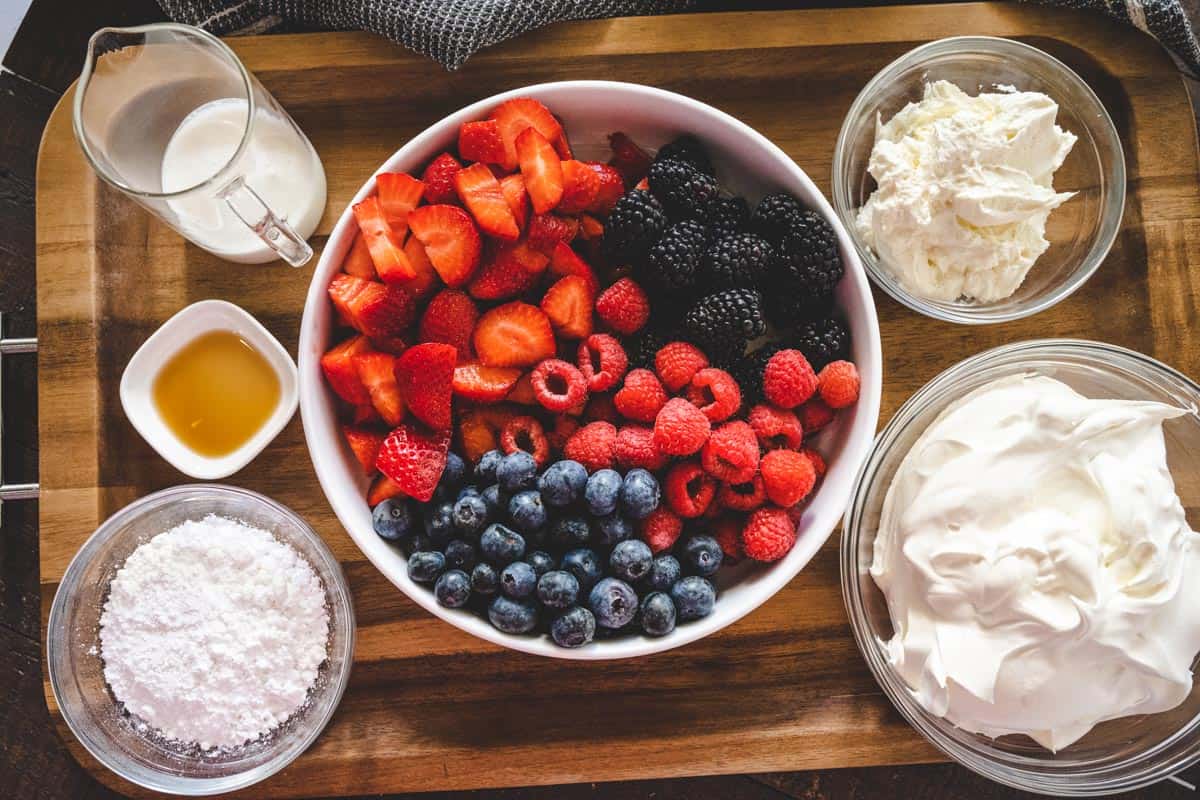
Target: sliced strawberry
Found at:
565, 261
541, 169
517, 198
450, 319
372, 308
562, 146
451, 241
522, 391
611, 187
581, 186
399, 193
365, 443
590, 228
484, 384
383, 488
340, 373
475, 435
358, 261
501, 277
480, 141
568, 304
518, 114
426, 281
438, 178
377, 371
628, 159
383, 243
547, 230
365, 415
514, 335
643, 185
480, 192
413, 459
393, 345
425, 373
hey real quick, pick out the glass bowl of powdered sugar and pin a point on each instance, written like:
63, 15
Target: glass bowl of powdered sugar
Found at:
200, 640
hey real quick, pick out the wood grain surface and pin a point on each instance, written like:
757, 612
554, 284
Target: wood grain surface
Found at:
430, 707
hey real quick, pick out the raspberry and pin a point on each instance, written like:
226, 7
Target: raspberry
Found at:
642, 396
728, 533
789, 379
769, 534
602, 361
715, 392
817, 461
838, 384
776, 427
680, 428
623, 306
660, 529
564, 427
814, 415
743, 496
676, 363
635, 448
592, 445
558, 385
525, 433
600, 408
788, 477
689, 489
731, 453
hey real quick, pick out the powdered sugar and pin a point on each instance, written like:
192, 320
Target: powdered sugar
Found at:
213, 632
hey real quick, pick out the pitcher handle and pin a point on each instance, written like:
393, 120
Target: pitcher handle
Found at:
258, 217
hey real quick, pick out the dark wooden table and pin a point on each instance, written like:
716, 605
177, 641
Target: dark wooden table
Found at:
44, 59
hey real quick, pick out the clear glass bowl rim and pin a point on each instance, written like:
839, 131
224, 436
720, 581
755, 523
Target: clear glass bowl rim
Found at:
1114, 201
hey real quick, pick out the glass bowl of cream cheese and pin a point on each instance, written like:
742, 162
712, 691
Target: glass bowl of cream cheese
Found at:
1019, 564
981, 179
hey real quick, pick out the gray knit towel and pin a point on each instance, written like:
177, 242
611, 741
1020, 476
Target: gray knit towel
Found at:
451, 31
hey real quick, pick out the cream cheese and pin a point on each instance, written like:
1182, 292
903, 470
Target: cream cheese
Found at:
1039, 570
964, 191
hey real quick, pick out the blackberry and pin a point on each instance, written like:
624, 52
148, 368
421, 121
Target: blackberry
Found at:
686, 148
739, 261
635, 223
722, 323
644, 346
805, 272
748, 372
684, 191
775, 215
727, 216
674, 259
822, 341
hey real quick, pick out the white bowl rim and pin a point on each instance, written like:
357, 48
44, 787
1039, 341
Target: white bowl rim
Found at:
858, 439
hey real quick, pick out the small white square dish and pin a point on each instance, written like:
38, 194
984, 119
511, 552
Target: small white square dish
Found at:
137, 386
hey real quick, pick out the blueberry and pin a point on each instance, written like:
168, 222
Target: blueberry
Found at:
393, 519
569, 532
517, 471
485, 470
501, 545
453, 589
664, 572
702, 555
419, 541
562, 483
495, 499
613, 528
470, 515
558, 589
631, 560
454, 472
658, 614
639, 494
469, 489
575, 628
694, 597
614, 602
439, 523
484, 580
518, 580
460, 554
603, 491
424, 565
541, 561
583, 564
526, 511
512, 616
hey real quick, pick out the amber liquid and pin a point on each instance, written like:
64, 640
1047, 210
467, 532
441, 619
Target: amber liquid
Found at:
216, 392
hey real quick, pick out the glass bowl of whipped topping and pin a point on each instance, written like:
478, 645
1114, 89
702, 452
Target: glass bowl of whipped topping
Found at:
1018, 563
980, 178
222, 617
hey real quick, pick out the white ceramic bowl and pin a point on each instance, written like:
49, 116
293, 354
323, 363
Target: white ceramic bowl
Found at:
748, 164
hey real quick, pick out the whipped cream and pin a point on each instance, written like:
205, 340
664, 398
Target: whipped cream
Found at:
964, 191
1039, 570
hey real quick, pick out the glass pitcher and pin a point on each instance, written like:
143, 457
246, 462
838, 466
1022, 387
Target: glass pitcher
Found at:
168, 115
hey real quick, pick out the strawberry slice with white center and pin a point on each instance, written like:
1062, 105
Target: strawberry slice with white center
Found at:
383, 243
413, 458
520, 113
451, 241
481, 193
372, 308
399, 193
541, 169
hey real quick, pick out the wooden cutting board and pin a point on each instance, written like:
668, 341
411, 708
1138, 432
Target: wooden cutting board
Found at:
430, 707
